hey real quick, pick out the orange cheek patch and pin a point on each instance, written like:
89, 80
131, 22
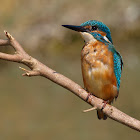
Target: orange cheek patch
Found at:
87, 27
100, 32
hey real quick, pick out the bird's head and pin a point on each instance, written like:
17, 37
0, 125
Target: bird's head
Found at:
90, 29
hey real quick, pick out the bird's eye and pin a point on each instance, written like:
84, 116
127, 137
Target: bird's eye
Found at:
94, 28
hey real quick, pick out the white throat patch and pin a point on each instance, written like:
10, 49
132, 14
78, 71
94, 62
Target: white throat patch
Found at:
87, 37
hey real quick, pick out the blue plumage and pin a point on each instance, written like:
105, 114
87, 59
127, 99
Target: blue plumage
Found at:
101, 27
99, 37
118, 64
118, 67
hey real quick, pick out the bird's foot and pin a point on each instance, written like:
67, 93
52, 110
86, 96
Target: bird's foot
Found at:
88, 94
85, 88
87, 97
105, 102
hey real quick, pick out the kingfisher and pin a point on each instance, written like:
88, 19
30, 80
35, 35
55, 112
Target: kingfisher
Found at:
101, 63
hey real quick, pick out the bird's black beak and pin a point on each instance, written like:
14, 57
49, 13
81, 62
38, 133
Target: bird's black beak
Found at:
76, 28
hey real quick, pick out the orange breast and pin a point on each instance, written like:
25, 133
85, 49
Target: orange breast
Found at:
98, 71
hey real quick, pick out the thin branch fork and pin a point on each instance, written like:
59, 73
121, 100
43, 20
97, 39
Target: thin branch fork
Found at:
39, 69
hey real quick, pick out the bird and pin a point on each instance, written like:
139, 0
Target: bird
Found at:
101, 63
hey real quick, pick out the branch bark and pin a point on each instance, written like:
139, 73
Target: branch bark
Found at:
39, 69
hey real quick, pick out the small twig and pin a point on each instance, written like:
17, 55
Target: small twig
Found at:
90, 109
29, 72
8, 35
39, 69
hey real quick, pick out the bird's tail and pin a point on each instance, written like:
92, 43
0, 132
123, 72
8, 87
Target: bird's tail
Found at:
101, 115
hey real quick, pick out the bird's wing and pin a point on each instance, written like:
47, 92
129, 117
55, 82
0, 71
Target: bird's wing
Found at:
118, 64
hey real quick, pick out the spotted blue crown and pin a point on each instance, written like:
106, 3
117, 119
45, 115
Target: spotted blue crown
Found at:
101, 26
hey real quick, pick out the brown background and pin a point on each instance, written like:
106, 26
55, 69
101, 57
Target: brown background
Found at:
37, 109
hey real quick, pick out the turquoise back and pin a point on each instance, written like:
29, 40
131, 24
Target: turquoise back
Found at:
118, 64
118, 68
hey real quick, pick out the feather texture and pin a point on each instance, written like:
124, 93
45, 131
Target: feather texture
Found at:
118, 67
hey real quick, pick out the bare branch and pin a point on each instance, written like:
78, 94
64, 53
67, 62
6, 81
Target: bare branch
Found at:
39, 69
9, 57
4, 42
14, 43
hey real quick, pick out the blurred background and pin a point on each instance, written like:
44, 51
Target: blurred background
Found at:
35, 108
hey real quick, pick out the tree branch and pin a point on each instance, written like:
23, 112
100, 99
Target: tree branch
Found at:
39, 69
